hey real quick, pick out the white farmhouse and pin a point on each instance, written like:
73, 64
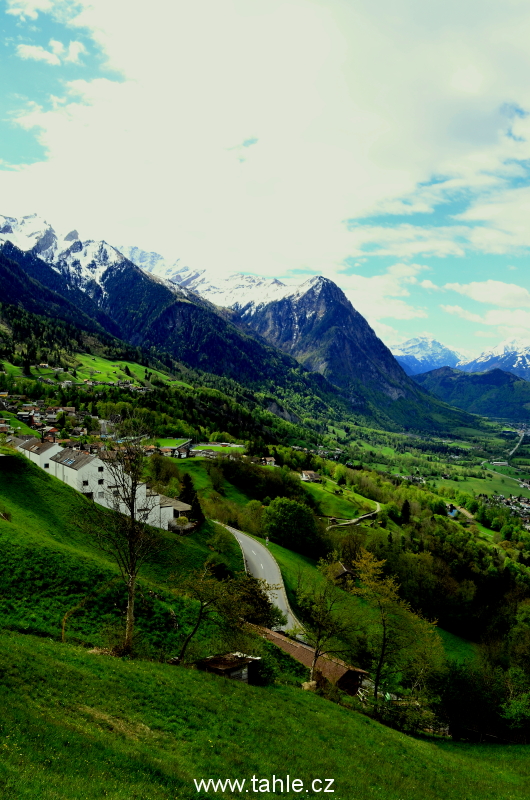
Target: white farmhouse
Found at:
90, 475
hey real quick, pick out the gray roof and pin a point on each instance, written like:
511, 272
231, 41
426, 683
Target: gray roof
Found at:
74, 459
25, 442
36, 446
177, 504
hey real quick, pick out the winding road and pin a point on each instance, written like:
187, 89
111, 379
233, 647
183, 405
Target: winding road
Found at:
260, 563
370, 515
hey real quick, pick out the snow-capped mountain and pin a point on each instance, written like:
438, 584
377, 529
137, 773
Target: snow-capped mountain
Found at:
511, 355
83, 264
155, 307
313, 321
156, 264
238, 291
423, 354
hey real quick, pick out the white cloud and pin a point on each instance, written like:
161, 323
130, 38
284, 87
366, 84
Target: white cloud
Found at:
75, 49
28, 9
498, 293
37, 53
55, 56
427, 284
379, 297
516, 319
355, 109
458, 311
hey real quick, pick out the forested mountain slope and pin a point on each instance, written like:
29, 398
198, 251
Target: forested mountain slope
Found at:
494, 393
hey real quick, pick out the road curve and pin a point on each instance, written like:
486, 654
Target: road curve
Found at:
261, 564
370, 515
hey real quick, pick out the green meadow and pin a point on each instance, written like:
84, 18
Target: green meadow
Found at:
77, 724
80, 726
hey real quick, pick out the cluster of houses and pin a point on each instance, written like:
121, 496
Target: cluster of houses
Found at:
96, 477
519, 506
42, 418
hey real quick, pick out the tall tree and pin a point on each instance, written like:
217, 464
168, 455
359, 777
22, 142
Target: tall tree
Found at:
128, 539
401, 640
329, 620
292, 525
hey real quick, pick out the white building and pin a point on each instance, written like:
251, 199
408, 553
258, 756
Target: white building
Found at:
91, 476
40, 452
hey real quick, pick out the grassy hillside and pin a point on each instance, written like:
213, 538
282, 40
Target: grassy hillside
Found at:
78, 725
49, 562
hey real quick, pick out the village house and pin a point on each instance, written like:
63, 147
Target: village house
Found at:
310, 476
40, 452
269, 461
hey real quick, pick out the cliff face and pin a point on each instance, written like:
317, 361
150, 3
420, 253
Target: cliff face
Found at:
320, 328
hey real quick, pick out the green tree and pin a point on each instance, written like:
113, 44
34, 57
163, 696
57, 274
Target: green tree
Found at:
230, 604
292, 525
187, 492
196, 512
329, 622
401, 640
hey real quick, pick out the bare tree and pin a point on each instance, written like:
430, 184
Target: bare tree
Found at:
127, 538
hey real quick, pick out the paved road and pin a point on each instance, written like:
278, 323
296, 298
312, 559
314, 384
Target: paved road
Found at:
261, 564
355, 521
521, 434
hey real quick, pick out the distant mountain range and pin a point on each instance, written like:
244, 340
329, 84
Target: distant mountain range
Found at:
494, 393
511, 355
261, 333
423, 354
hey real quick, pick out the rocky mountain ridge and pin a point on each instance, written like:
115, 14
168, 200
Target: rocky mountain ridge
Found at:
510, 355
261, 342
423, 353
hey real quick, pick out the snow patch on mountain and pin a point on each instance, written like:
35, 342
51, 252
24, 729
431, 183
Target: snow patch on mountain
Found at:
424, 348
82, 263
518, 347
423, 353
239, 291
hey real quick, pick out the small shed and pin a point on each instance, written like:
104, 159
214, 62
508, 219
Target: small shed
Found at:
236, 666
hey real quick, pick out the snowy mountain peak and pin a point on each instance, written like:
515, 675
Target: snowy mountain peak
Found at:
504, 347
423, 353
423, 347
82, 263
511, 355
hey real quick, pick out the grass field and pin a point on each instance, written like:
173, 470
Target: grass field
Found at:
348, 505
196, 468
77, 726
12, 370
218, 448
170, 442
497, 485
101, 369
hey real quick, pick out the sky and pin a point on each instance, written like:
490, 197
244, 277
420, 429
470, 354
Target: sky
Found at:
384, 144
